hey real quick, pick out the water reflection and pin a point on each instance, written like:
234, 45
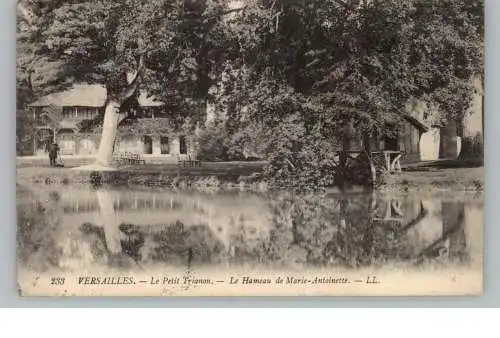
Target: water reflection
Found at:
83, 228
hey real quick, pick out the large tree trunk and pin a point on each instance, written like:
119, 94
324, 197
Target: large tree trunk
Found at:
112, 118
109, 131
472, 149
473, 126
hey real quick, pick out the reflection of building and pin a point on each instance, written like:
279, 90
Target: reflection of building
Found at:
392, 229
427, 227
225, 215
148, 128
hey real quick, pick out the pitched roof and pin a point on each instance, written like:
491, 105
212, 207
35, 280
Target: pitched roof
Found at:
79, 95
414, 121
85, 95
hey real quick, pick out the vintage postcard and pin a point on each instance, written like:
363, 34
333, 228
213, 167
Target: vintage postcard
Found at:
250, 147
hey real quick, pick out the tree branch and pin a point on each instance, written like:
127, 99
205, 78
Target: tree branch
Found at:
134, 82
224, 13
26, 13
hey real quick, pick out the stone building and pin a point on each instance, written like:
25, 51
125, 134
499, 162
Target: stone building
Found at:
73, 119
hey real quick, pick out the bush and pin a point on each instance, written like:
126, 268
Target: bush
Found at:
211, 144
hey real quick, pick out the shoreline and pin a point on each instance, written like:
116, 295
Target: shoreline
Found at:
442, 181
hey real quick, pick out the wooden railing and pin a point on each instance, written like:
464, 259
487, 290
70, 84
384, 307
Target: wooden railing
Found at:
189, 161
128, 158
387, 160
362, 167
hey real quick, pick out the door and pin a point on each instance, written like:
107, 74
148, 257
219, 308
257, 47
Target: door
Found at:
182, 145
148, 144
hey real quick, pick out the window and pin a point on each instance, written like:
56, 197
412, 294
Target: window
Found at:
67, 112
164, 145
72, 112
147, 113
182, 145
84, 113
38, 114
87, 113
391, 143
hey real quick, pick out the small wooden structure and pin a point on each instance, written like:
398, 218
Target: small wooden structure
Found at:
360, 167
387, 160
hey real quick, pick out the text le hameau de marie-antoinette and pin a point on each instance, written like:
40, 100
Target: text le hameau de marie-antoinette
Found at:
232, 280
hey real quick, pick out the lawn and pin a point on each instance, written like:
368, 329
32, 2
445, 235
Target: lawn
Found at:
143, 174
427, 179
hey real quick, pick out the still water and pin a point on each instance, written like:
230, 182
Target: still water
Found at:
74, 228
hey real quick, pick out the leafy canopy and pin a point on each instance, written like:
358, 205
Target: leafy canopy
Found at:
179, 42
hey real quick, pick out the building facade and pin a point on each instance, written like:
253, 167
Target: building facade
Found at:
73, 119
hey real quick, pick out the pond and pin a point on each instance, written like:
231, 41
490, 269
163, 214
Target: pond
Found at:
75, 228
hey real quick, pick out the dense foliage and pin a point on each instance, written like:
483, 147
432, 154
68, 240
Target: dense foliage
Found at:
102, 42
310, 70
289, 78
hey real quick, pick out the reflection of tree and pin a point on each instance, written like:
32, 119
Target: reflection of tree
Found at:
179, 244
175, 243
128, 252
110, 222
305, 230
345, 230
452, 243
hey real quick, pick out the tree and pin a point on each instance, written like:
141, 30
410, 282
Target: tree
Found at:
326, 65
172, 48
320, 66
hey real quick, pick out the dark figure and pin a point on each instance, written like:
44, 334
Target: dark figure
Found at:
53, 151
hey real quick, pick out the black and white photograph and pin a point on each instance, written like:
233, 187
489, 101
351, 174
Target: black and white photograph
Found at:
250, 147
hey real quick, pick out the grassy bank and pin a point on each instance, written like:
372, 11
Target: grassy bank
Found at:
245, 176
228, 176
433, 179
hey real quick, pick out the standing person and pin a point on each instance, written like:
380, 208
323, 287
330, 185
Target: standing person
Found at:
53, 151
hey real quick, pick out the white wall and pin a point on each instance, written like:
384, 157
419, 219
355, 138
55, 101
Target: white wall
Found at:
135, 144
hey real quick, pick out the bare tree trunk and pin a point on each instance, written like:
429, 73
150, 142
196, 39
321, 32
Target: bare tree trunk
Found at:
473, 126
112, 117
109, 131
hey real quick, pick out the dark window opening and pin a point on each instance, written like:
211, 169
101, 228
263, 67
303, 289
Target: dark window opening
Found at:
66, 131
68, 112
391, 143
164, 145
182, 145
38, 114
87, 113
